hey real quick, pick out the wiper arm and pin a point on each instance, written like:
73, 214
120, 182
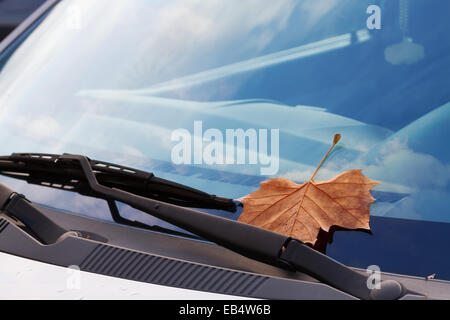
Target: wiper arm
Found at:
46, 170
248, 240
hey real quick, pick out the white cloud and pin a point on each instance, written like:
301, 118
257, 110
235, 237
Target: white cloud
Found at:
315, 10
227, 19
36, 128
184, 34
405, 52
394, 164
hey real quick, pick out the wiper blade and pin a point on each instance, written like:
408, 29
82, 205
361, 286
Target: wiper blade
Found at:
248, 240
46, 170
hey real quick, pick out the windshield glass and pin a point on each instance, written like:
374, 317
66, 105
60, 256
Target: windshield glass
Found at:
221, 95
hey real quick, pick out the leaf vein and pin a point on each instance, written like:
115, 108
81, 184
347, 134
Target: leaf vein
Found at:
329, 197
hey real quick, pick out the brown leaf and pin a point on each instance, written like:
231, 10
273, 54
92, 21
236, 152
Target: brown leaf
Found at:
300, 211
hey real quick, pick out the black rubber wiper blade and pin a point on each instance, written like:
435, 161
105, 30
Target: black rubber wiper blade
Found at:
45, 169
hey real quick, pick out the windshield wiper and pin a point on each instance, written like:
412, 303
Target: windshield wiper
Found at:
46, 170
250, 241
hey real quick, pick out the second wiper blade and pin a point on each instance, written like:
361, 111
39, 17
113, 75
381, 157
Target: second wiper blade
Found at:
47, 170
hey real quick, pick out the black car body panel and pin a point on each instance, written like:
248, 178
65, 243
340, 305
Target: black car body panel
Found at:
13, 12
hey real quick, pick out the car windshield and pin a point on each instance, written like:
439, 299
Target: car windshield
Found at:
221, 95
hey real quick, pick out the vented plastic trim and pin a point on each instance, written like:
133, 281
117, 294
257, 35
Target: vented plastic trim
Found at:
132, 265
3, 224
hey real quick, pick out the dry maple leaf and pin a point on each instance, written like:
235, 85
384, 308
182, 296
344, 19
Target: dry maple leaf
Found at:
301, 210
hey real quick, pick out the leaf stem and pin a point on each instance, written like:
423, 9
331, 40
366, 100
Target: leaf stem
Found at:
336, 139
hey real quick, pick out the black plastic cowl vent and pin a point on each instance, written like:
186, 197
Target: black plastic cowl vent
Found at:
3, 224
131, 265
